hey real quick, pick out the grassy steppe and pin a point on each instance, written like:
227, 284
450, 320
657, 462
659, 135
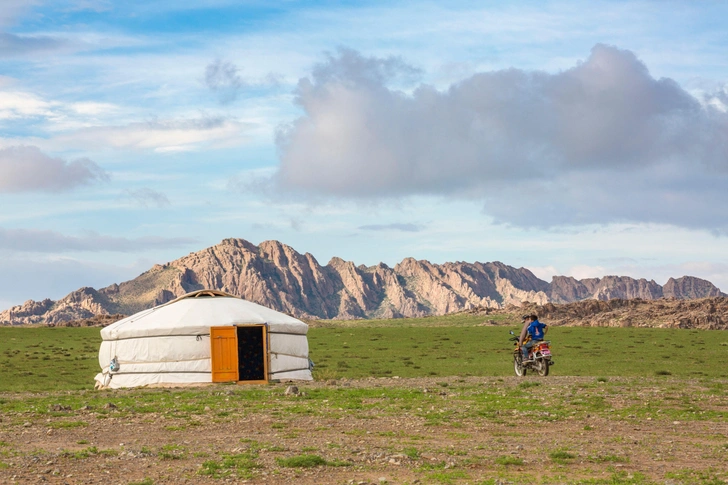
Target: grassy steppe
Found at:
485, 351
452, 430
647, 407
44, 359
41, 359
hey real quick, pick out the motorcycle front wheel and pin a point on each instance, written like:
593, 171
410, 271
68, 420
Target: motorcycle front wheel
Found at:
518, 366
543, 367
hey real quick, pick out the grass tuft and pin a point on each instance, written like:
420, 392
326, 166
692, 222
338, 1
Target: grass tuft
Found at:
67, 424
308, 461
301, 461
561, 456
146, 481
609, 459
173, 452
509, 461
411, 453
242, 465
528, 384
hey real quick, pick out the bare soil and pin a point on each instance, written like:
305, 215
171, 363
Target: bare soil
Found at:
597, 447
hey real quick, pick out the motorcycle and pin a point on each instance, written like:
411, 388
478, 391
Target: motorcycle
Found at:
539, 358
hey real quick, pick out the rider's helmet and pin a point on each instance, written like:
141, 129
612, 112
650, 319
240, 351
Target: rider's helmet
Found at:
525, 317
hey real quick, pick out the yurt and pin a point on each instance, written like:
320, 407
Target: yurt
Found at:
203, 336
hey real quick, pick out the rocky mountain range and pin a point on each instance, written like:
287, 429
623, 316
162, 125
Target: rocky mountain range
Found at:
275, 275
703, 313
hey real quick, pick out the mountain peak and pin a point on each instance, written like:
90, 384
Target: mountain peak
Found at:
277, 276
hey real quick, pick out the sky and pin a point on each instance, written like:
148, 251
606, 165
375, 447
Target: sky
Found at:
571, 138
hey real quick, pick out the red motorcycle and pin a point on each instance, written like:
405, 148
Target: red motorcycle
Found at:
539, 358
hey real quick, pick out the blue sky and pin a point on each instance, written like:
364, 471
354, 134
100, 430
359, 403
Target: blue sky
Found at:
568, 138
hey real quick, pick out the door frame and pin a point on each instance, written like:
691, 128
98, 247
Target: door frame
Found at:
265, 353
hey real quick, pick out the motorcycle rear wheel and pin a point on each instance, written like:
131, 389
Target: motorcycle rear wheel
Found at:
518, 366
542, 367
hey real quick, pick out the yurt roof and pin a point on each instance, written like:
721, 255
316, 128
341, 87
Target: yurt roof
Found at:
194, 314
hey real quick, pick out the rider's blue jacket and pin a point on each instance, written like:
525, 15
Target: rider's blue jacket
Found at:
535, 329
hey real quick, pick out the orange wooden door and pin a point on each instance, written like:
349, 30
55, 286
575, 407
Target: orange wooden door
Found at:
224, 354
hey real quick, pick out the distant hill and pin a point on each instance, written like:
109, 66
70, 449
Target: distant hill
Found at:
275, 275
709, 313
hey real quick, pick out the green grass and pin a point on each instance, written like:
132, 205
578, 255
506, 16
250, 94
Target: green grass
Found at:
447, 477
609, 459
412, 453
561, 457
88, 452
690, 476
146, 481
173, 452
67, 424
619, 478
49, 358
241, 465
427, 347
308, 461
509, 461
301, 461
40, 359
502, 404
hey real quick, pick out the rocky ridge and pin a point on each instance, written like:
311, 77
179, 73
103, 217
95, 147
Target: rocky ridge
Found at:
703, 313
275, 275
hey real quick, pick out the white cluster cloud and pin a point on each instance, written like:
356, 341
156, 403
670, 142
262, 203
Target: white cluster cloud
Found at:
95, 125
170, 135
56, 116
718, 99
27, 169
601, 142
18, 104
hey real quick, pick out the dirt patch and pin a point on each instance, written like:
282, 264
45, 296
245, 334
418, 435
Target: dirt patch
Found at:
443, 430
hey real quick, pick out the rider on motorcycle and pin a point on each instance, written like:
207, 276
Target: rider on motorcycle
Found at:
532, 332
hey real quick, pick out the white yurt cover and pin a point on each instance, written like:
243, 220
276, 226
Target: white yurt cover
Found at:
170, 344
